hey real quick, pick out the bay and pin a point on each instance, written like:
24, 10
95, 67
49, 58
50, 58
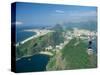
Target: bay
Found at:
33, 63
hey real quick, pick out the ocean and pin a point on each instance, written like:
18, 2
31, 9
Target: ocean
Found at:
22, 35
33, 63
36, 62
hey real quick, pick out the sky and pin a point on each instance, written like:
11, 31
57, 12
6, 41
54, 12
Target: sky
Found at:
51, 14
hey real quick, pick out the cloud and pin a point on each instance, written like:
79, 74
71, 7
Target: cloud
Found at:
17, 23
60, 11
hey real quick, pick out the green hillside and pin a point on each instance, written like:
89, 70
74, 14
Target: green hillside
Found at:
72, 56
36, 45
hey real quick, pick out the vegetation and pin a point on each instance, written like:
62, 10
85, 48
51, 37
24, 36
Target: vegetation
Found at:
36, 45
73, 56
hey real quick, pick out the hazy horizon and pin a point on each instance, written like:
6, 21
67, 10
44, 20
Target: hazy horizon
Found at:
50, 14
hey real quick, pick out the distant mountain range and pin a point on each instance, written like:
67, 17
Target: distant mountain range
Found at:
90, 25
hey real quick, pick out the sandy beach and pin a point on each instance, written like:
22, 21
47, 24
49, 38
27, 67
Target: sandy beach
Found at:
38, 33
46, 53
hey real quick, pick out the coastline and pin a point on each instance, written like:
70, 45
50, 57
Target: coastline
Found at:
24, 57
38, 33
44, 53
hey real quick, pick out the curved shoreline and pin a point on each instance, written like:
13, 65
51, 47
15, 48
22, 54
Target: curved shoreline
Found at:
38, 33
44, 53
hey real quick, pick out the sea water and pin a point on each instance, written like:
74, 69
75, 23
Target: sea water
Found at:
21, 34
33, 63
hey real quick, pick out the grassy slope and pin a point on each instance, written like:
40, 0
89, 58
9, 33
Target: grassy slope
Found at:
76, 56
73, 57
36, 45
31, 47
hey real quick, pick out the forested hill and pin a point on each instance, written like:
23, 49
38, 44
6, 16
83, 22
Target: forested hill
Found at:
72, 56
36, 45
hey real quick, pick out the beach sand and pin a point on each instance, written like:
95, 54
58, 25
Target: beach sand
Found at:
38, 33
